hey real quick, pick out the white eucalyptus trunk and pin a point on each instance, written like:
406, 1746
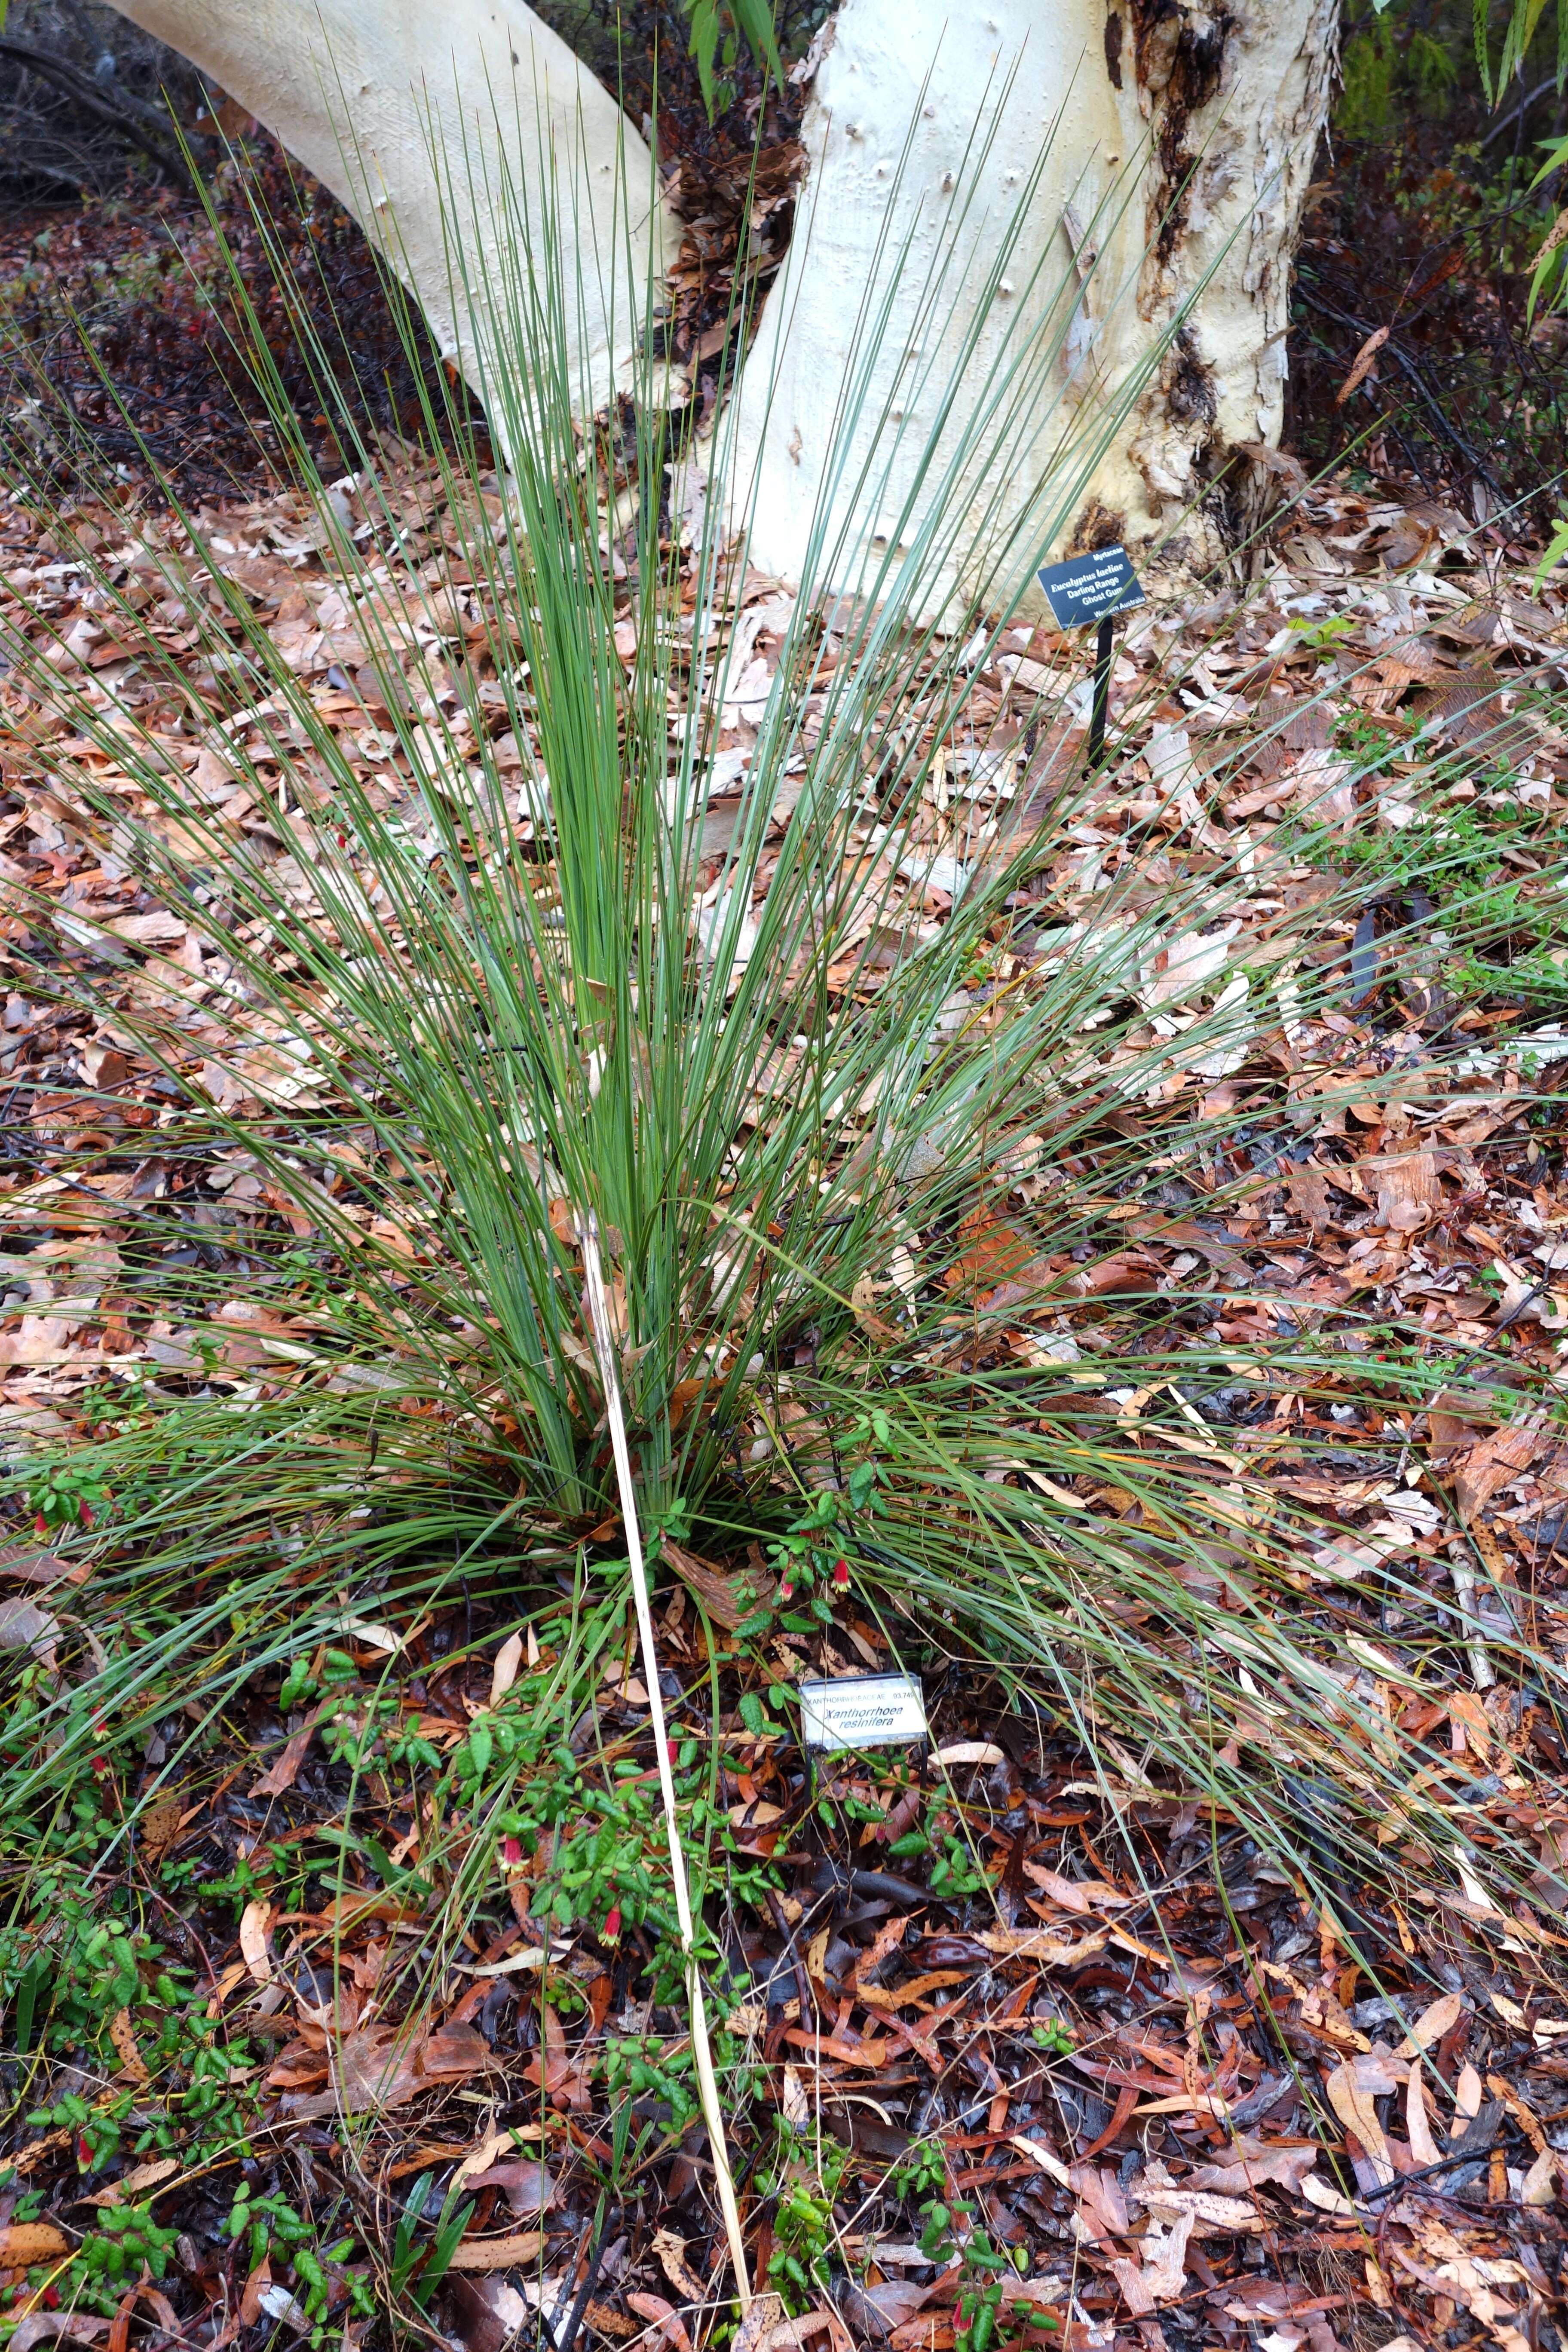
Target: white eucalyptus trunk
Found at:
445, 126
1144, 263
1155, 257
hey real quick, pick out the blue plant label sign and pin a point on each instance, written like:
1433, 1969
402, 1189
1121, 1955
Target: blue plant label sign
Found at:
1087, 587
863, 1711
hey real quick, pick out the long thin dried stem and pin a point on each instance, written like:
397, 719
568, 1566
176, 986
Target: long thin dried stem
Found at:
602, 1329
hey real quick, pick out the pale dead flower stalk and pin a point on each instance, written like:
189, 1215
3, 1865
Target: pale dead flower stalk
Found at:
601, 1323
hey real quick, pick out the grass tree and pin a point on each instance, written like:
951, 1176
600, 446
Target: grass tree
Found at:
829, 1147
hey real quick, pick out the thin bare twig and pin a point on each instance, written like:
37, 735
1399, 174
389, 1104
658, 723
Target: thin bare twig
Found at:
114, 107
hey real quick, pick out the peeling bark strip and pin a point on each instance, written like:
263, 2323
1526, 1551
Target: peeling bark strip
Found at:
1179, 55
1235, 97
1113, 49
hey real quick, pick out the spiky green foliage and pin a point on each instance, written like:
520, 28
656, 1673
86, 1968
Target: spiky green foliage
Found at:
827, 1186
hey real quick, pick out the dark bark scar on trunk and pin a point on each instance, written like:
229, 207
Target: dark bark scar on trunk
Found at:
1113, 31
1190, 392
1178, 58
1097, 527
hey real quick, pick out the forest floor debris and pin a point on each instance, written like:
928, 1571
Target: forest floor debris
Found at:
1054, 2058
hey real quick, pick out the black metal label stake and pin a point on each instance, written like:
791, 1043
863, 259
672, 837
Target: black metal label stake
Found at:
1088, 588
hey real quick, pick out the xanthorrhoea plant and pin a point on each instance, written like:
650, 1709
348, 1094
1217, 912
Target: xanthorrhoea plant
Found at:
534, 973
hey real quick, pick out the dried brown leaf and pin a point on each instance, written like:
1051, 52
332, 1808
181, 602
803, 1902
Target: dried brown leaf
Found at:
1440, 2018
877, 2310
665, 2318
22, 2243
24, 1626
499, 2253
140, 2176
279, 1778
453, 2053
672, 2262
122, 2033
374, 2070
509, 1658
51, 2327
255, 1927
159, 1827
34, 1566
1362, 365
256, 2286
1417, 2126
729, 1596
528, 2185
1493, 1463
767, 2309
1256, 2163
1354, 2109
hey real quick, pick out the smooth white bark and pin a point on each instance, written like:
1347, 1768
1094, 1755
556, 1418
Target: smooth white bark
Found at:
369, 93
1177, 196
1178, 139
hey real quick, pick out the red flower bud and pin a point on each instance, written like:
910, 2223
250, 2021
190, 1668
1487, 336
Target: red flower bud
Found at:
511, 1851
611, 1926
40, 1525
786, 1590
841, 1573
50, 2298
84, 1512
83, 2153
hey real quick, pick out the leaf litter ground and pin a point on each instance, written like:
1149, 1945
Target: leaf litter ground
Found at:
1031, 2052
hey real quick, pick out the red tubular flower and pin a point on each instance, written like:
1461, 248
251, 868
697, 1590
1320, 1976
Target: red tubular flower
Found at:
611, 1926
786, 1590
511, 1851
84, 1512
40, 1525
841, 1574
